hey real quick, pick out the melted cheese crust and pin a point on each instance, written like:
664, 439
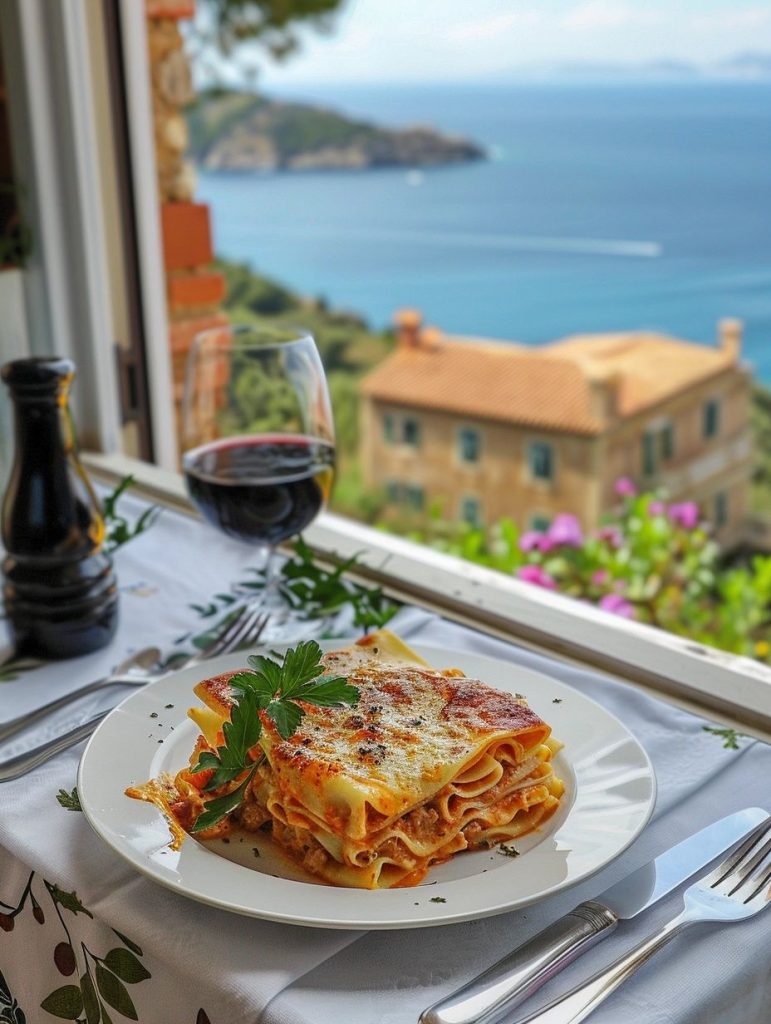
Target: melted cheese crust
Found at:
427, 764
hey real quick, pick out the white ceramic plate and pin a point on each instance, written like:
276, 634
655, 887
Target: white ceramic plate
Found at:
610, 793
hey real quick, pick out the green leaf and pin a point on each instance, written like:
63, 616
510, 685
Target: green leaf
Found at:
219, 808
90, 1002
106, 1018
114, 992
68, 900
301, 664
66, 1003
244, 728
327, 691
253, 682
69, 800
285, 715
126, 966
127, 942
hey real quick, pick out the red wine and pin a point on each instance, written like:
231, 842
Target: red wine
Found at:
263, 488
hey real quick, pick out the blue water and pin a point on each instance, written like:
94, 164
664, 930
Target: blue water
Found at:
604, 207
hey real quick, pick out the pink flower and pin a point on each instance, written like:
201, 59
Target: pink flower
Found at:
625, 488
566, 530
612, 535
657, 508
685, 514
599, 577
535, 574
617, 605
532, 540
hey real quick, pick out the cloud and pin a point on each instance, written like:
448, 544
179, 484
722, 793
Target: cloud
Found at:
601, 15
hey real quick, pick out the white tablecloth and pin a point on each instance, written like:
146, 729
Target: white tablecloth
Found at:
197, 964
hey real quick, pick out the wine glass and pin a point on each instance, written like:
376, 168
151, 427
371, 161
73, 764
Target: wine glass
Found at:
258, 436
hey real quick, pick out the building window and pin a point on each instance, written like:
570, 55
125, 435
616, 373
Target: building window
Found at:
721, 509
648, 453
389, 428
539, 522
411, 431
469, 444
540, 456
711, 422
667, 442
393, 491
471, 511
414, 497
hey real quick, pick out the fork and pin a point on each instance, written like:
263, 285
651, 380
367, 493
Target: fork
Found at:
738, 888
235, 633
245, 629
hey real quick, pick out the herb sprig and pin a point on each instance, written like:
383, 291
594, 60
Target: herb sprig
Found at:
272, 687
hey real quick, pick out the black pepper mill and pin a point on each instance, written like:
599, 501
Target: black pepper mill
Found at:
60, 593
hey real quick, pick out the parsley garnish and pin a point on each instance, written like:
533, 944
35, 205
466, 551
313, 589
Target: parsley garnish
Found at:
508, 851
273, 687
437, 899
69, 800
730, 736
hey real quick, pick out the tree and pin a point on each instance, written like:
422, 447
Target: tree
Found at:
271, 23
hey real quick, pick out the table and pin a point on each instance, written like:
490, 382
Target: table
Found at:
159, 958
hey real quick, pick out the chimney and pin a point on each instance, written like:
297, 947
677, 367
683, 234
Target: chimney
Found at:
729, 334
603, 397
430, 338
408, 323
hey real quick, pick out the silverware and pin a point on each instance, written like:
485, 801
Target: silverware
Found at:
738, 888
520, 973
243, 630
134, 671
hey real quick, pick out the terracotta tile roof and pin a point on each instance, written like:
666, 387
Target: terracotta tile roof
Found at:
549, 387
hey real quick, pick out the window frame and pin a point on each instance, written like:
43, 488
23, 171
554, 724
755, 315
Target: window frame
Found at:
713, 406
461, 432
649, 463
410, 420
548, 446
667, 442
478, 518
702, 679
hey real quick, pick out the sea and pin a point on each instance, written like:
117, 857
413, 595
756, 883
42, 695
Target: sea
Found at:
602, 207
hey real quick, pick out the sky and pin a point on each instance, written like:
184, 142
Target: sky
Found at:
478, 40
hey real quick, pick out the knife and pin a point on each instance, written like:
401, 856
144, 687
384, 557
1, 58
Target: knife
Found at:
522, 972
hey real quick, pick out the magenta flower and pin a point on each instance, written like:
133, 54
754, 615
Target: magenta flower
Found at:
657, 508
535, 574
624, 487
685, 514
566, 530
599, 577
532, 540
612, 536
617, 605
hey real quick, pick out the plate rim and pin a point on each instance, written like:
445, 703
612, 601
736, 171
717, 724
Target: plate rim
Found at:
437, 915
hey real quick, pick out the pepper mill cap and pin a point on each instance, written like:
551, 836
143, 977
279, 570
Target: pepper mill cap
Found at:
38, 374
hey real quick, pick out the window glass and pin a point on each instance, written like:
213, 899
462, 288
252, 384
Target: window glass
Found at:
471, 511
469, 444
648, 453
539, 522
411, 431
721, 509
541, 459
393, 491
667, 442
414, 497
389, 428
711, 424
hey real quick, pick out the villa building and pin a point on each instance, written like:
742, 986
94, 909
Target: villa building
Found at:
482, 430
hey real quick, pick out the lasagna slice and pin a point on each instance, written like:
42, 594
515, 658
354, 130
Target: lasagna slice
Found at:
427, 764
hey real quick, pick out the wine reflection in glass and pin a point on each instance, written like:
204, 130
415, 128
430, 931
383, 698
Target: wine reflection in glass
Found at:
258, 436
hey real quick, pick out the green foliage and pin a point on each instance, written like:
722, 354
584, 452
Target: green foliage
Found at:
730, 737
272, 687
119, 530
654, 562
272, 23
70, 801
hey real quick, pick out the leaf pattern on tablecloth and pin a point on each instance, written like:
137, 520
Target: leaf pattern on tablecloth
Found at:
95, 981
